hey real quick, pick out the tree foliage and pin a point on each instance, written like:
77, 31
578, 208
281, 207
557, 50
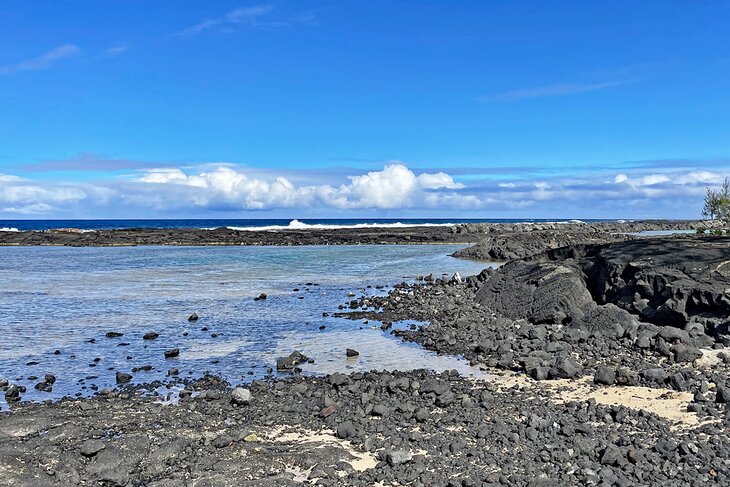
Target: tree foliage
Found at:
717, 203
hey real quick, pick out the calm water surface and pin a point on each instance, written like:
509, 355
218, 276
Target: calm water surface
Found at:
54, 300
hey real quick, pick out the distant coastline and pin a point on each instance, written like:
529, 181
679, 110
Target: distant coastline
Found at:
261, 223
345, 233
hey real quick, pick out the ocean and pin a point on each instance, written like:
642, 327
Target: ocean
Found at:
58, 303
250, 224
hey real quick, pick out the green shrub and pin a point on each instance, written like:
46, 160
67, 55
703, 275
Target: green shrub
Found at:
717, 204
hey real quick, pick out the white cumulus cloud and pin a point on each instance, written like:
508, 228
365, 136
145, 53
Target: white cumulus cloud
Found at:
214, 189
395, 186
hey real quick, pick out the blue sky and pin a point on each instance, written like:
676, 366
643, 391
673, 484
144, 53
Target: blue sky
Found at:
362, 108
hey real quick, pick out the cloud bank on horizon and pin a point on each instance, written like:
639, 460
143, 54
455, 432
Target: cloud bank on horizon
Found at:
227, 190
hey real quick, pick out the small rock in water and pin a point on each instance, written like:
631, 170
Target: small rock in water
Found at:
291, 362
12, 393
352, 352
240, 396
172, 353
193, 317
260, 297
123, 378
114, 334
151, 335
44, 386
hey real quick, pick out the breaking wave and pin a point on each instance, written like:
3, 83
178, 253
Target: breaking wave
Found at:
297, 225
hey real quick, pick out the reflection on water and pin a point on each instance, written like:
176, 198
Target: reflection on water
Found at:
57, 304
378, 351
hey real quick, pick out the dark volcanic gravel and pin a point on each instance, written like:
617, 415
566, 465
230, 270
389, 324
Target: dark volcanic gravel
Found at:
409, 428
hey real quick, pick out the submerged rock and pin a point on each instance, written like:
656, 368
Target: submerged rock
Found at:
123, 378
291, 362
172, 353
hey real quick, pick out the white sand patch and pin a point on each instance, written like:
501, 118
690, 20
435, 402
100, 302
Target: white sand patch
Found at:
709, 358
300, 475
666, 403
359, 461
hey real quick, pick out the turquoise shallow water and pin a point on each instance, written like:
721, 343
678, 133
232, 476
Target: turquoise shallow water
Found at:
53, 300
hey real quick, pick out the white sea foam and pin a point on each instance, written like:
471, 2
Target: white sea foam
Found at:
553, 222
8, 229
297, 225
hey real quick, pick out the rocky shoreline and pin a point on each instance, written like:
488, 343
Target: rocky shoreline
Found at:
651, 312
608, 367
468, 233
414, 428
